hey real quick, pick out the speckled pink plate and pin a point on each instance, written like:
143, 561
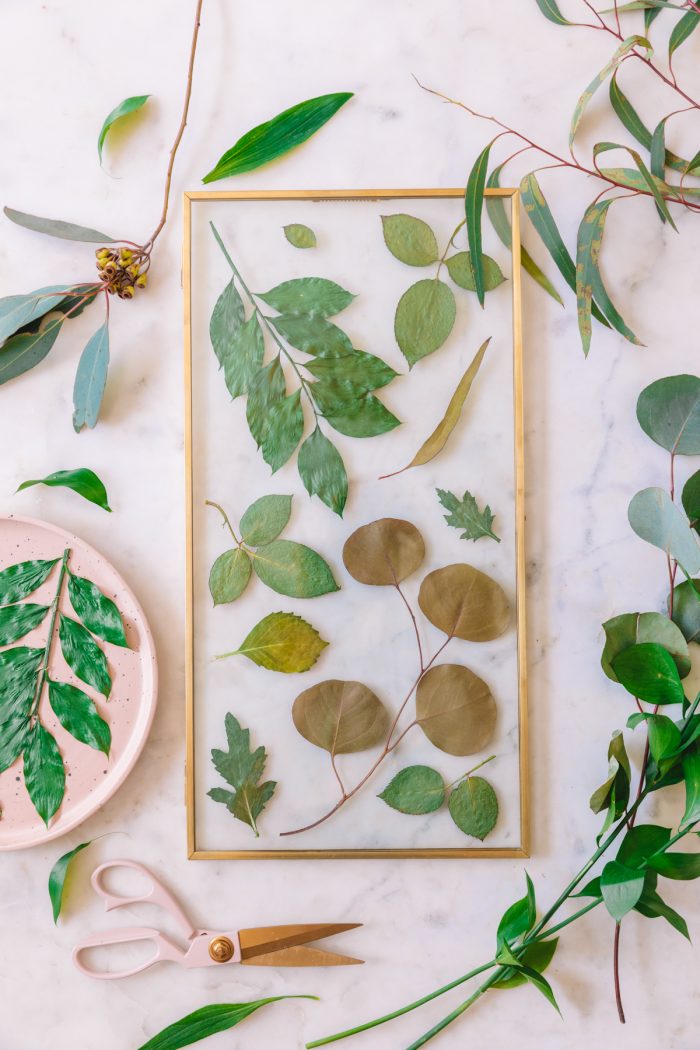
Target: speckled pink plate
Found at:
91, 778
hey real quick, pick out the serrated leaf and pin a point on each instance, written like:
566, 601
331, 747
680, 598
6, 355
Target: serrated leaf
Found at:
82, 480
473, 807
275, 420
277, 136
125, 107
415, 790
18, 311
656, 519
648, 672
351, 410
98, 612
384, 552
282, 642
242, 768
340, 717
22, 579
474, 206
410, 240
464, 514
461, 270
91, 380
307, 295
551, 11
621, 888
465, 603
44, 773
220, 1017
293, 569
299, 235
455, 709
312, 334
78, 715
229, 576
624, 49
322, 470
68, 231
365, 371
632, 628
18, 620
682, 30
83, 655
686, 609
424, 318
668, 411
264, 519
58, 876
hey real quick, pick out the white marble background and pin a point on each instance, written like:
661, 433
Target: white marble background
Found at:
64, 66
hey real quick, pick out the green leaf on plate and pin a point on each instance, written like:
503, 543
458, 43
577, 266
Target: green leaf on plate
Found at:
415, 790
624, 49
474, 206
550, 10
207, 1021
621, 888
322, 470
18, 311
127, 106
668, 411
83, 655
68, 231
13, 738
656, 519
264, 519
464, 514
299, 235
282, 642
18, 620
473, 807
20, 580
686, 609
58, 876
91, 380
313, 334
18, 680
78, 715
229, 576
682, 30
632, 628
461, 271
308, 295
275, 420
365, 371
44, 773
648, 672
410, 240
242, 769
82, 480
98, 612
277, 136
424, 318
293, 569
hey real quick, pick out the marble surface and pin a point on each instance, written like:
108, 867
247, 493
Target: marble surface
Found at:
425, 921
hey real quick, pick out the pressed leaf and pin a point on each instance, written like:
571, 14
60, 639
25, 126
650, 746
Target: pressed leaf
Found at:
44, 774
648, 672
308, 295
686, 609
97, 612
424, 318
13, 737
551, 11
474, 807
209, 1020
682, 30
439, 437
351, 410
20, 580
455, 709
384, 552
621, 888
58, 876
322, 470
83, 655
415, 790
632, 628
465, 603
282, 642
264, 519
82, 480
293, 569
241, 353
27, 349
277, 136
474, 206
656, 519
68, 231
229, 576
364, 371
299, 235
340, 717
276, 421
625, 47
537, 956
464, 514
78, 715
411, 240
227, 317
461, 270
313, 334
668, 411
18, 311
242, 768
91, 380
18, 620
125, 107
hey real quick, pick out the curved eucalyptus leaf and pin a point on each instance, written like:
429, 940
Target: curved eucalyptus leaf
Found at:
82, 480
299, 235
668, 411
550, 10
656, 519
83, 655
293, 569
282, 642
91, 380
415, 790
18, 311
474, 206
340, 717
424, 318
125, 107
98, 612
44, 773
465, 603
18, 620
229, 576
68, 231
307, 295
78, 715
22, 579
322, 470
682, 30
632, 628
636, 126
648, 672
264, 519
27, 349
410, 240
455, 709
384, 552
621, 52
473, 806
461, 270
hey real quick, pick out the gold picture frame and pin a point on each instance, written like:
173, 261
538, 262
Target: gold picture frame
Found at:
194, 852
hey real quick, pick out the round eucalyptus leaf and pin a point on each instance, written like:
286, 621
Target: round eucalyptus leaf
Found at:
656, 518
686, 609
411, 240
461, 271
691, 499
293, 569
632, 628
229, 576
264, 520
384, 552
648, 672
340, 717
415, 790
474, 807
669, 412
465, 603
424, 318
299, 235
455, 709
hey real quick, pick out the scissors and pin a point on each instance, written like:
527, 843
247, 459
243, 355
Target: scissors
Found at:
258, 946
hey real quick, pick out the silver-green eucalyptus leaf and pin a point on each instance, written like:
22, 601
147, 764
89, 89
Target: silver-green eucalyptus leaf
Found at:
91, 380
68, 231
656, 519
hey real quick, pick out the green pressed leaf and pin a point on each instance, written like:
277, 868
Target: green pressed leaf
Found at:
227, 317
551, 11
293, 569
229, 576
461, 271
275, 420
342, 718
20, 580
299, 235
282, 642
668, 411
682, 30
536, 957
18, 620
415, 790
240, 349
656, 519
632, 628
365, 371
474, 807
641, 842
313, 334
465, 603
83, 655
44, 774
82, 480
18, 311
474, 206
352, 411
13, 737
322, 470
78, 715
308, 295
517, 919
455, 710
277, 136
242, 768
58, 876
68, 231
464, 514
209, 1020
681, 866
424, 318
384, 552
125, 107
691, 775
690, 499
439, 437
26, 349
648, 672
264, 519
98, 612
411, 240
624, 49
686, 610
621, 888
91, 380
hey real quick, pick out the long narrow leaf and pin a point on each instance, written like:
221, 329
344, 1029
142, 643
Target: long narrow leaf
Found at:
474, 206
649, 182
631, 120
657, 160
209, 1020
91, 379
682, 30
551, 11
624, 49
68, 231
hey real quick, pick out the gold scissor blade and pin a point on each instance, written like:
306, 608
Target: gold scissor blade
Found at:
301, 955
264, 940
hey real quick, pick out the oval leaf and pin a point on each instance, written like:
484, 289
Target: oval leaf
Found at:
474, 807
621, 888
20, 580
656, 519
83, 655
691, 500
415, 790
68, 231
465, 603
78, 715
127, 106
322, 470
264, 519
340, 717
229, 576
98, 612
669, 412
83, 481
293, 569
44, 774
299, 235
282, 642
424, 318
18, 620
275, 420
313, 334
686, 609
633, 628
91, 380
411, 240
455, 709
461, 271
308, 295
58, 876
384, 552
648, 672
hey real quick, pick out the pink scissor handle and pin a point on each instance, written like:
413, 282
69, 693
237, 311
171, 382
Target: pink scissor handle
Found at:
156, 894
165, 950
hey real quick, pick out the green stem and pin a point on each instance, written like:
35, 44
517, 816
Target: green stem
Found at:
471, 771
449, 245
458, 1011
224, 515
43, 670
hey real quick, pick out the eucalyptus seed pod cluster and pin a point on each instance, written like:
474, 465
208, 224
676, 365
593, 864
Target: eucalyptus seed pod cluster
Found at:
121, 271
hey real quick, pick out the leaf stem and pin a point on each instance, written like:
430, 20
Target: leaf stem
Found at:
43, 670
227, 523
471, 771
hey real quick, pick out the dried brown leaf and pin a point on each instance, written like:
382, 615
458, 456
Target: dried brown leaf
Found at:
384, 552
465, 603
340, 717
455, 709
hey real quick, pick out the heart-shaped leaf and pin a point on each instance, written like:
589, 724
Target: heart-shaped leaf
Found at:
656, 519
621, 888
282, 642
686, 609
455, 709
633, 628
293, 569
690, 499
669, 412
83, 481
264, 519
340, 717
474, 807
465, 603
424, 318
229, 576
299, 235
411, 240
415, 790
384, 552
648, 672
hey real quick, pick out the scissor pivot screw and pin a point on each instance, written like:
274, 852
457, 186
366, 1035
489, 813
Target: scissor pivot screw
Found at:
221, 950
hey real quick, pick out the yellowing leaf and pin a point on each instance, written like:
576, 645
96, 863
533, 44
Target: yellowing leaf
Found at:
282, 642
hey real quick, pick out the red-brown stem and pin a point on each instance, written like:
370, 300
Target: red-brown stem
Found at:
618, 993
415, 625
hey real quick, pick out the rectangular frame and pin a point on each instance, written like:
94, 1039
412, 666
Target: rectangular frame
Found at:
190, 199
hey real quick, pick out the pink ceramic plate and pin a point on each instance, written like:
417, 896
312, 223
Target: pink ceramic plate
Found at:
91, 778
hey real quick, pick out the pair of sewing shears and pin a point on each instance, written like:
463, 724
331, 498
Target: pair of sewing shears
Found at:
258, 946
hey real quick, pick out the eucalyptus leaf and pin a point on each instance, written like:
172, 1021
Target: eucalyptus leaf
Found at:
656, 519
91, 380
340, 717
59, 874
465, 603
125, 107
299, 235
410, 240
68, 231
220, 1017
18, 311
308, 295
322, 471
473, 807
415, 790
589, 283
474, 206
648, 672
632, 628
78, 715
455, 709
27, 349
83, 655
264, 519
293, 569
621, 888
636, 126
682, 30
621, 52
424, 318
82, 480
690, 498
550, 10
282, 642
18, 620
668, 411
686, 609
44, 773
229, 576
313, 334
461, 270
276, 421
384, 552
98, 612
242, 769
22, 579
